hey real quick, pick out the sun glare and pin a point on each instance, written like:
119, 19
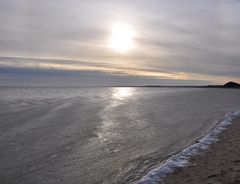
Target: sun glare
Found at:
121, 38
121, 93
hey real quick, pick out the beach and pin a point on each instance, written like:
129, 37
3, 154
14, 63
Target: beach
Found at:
218, 164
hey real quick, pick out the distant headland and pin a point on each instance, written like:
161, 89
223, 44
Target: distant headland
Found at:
232, 85
227, 85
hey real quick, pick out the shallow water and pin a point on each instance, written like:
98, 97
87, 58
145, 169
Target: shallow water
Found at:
100, 135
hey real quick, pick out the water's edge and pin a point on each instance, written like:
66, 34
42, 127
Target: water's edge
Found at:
182, 158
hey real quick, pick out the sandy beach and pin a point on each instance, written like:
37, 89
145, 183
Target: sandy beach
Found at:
219, 164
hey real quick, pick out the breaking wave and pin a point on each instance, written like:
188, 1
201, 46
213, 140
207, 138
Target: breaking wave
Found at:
181, 159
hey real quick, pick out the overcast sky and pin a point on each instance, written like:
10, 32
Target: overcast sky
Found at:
175, 42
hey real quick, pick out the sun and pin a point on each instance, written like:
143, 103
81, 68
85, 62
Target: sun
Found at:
121, 39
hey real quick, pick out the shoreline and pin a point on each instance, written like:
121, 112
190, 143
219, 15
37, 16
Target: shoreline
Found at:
165, 173
220, 163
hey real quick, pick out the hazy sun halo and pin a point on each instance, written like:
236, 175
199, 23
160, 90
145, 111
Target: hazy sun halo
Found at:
121, 38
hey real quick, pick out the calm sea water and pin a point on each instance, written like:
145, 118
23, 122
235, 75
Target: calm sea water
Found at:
100, 135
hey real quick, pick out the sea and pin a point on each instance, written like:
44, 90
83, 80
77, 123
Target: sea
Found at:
103, 135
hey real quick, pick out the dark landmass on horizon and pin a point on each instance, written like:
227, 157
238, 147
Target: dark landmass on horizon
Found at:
227, 85
231, 85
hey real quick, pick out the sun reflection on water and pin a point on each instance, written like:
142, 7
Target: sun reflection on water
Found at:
111, 113
121, 93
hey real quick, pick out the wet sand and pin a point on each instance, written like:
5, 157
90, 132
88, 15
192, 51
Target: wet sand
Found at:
220, 164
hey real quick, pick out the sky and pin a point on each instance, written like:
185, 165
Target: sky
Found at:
67, 42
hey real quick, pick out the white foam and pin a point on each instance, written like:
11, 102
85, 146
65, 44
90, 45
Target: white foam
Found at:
182, 159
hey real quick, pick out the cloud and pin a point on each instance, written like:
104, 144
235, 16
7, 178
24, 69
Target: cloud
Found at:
184, 38
49, 77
